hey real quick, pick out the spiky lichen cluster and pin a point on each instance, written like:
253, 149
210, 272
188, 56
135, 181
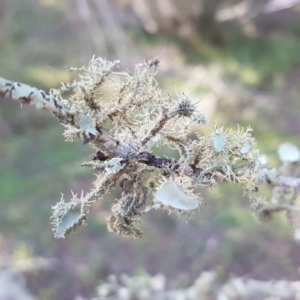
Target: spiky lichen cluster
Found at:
225, 155
68, 216
123, 115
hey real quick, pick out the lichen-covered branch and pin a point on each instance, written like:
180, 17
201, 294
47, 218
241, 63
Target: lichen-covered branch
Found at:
26, 94
124, 116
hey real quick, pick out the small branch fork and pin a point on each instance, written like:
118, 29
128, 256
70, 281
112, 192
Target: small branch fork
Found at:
284, 181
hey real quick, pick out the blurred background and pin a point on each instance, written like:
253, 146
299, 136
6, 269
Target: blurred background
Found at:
241, 57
